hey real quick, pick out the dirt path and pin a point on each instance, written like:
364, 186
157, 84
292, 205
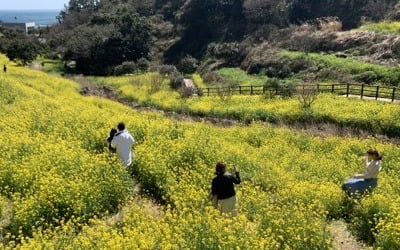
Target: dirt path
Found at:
315, 129
374, 99
5, 220
138, 197
342, 238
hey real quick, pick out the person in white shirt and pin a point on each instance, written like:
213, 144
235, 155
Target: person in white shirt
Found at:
123, 141
360, 183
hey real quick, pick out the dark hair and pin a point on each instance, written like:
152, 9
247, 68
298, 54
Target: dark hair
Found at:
375, 153
220, 168
121, 126
113, 131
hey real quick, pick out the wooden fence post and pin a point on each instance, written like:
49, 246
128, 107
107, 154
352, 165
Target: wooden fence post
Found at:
348, 89
362, 91
208, 91
317, 87
393, 93
240, 89
377, 92
251, 90
263, 91
333, 88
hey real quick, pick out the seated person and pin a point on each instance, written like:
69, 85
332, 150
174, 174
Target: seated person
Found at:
360, 183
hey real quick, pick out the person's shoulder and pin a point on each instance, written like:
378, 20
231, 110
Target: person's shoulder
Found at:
228, 175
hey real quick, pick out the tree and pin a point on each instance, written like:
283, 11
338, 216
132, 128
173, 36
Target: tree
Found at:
22, 50
206, 21
98, 48
18, 46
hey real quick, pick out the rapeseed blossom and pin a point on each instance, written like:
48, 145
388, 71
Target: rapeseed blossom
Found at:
65, 187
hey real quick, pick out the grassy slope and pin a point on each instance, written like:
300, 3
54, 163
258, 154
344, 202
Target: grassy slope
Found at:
238, 76
385, 75
383, 27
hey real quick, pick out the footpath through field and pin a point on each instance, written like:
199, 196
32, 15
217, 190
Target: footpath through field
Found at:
342, 238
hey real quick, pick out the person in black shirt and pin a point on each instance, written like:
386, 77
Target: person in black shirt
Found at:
223, 193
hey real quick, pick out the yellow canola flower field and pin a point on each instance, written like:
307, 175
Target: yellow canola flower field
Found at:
373, 116
63, 183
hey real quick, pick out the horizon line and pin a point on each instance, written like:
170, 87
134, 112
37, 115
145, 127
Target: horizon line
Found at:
29, 9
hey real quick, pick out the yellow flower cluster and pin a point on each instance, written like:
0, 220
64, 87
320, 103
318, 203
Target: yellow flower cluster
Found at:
369, 115
64, 185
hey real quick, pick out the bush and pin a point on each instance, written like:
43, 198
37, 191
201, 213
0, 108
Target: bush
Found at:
273, 63
308, 92
227, 51
156, 83
367, 77
188, 65
275, 87
224, 93
143, 64
212, 77
167, 70
176, 80
125, 68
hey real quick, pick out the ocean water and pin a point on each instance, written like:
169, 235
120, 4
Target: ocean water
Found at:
40, 17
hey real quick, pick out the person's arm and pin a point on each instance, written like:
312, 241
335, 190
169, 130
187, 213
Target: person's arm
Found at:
236, 179
214, 190
214, 199
114, 142
213, 194
361, 176
371, 171
132, 140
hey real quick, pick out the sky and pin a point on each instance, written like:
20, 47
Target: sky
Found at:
32, 4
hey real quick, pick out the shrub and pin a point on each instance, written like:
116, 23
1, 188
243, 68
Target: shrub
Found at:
367, 77
176, 80
187, 92
273, 63
275, 87
188, 65
143, 64
212, 77
156, 83
227, 51
307, 95
125, 68
224, 93
167, 70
